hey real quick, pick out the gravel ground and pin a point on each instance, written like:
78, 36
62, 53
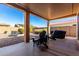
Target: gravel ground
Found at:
6, 40
11, 40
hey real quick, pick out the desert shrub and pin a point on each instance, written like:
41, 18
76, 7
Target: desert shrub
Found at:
20, 30
36, 32
5, 32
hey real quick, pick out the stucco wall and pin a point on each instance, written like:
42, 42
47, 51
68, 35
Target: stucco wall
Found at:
8, 29
70, 30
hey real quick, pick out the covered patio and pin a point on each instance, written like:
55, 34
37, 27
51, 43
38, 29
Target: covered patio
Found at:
48, 11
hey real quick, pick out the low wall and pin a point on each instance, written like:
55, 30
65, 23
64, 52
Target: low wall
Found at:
8, 29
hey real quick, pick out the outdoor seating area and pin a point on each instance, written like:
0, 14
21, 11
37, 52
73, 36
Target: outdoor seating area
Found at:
68, 43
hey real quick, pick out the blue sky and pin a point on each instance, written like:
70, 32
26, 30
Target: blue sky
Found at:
10, 15
13, 16
37, 21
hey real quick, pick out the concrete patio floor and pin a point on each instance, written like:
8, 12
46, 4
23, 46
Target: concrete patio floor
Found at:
22, 49
64, 47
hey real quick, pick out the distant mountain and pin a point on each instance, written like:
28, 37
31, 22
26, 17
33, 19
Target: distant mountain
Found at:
3, 24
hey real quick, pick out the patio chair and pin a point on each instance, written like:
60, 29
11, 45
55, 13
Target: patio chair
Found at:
58, 34
42, 39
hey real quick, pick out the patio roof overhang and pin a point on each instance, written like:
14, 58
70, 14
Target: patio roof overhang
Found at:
49, 11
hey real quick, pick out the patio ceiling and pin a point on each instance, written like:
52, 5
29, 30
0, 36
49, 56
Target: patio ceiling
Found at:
49, 11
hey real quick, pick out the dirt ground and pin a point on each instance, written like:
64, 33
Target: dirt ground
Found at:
11, 40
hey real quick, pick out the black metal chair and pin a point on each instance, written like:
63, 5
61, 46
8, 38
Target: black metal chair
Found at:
58, 34
42, 39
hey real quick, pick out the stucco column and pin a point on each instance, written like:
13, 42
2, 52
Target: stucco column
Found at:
48, 28
77, 26
26, 27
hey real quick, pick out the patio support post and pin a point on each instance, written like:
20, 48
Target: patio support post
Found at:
77, 26
26, 27
48, 28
